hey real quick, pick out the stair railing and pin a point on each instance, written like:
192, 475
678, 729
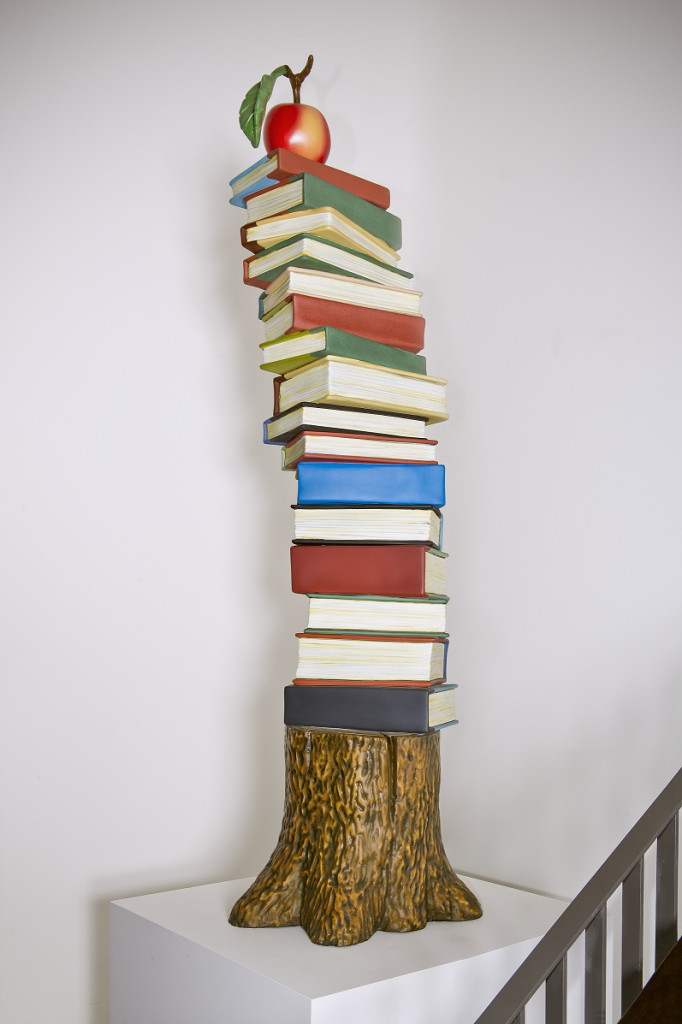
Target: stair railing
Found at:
587, 913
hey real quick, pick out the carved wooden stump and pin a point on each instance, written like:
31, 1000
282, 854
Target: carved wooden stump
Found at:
360, 848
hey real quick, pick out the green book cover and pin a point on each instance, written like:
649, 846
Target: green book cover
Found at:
311, 263
381, 223
339, 343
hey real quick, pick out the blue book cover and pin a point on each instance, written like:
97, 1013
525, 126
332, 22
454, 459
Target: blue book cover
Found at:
279, 441
370, 483
241, 197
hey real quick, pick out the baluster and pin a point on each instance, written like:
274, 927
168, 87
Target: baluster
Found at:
667, 853
632, 932
595, 969
555, 994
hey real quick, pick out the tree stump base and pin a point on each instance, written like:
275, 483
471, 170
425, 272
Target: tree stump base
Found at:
360, 848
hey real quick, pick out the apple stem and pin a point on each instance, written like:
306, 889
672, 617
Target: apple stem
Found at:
297, 80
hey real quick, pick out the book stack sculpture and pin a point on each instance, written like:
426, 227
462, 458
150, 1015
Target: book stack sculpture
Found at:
360, 847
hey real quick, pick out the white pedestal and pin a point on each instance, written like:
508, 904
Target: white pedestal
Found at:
176, 960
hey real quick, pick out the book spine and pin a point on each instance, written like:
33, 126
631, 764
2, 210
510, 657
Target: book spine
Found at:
255, 282
399, 330
385, 709
258, 186
338, 343
391, 570
377, 483
290, 163
277, 383
352, 346
251, 246
239, 198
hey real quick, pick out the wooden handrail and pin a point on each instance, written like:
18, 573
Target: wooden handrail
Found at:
587, 914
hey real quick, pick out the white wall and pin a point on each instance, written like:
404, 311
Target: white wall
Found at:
533, 152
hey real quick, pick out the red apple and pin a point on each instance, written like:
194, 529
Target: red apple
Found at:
299, 128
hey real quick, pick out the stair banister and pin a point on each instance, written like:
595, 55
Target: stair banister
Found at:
587, 913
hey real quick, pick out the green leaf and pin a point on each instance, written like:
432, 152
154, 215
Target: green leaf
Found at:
254, 103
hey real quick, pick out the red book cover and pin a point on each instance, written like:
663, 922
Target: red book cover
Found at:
290, 164
257, 282
276, 382
401, 330
251, 246
388, 570
319, 457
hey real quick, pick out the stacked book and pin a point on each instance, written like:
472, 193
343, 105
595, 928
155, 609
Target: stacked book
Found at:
353, 401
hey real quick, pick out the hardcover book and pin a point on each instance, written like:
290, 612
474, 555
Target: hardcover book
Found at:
324, 223
293, 350
307, 192
399, 660
386, 570
348, 483
370, 708
308, 252
282, 427
361, 523
325, 446
282, 163
372, 615
338, 288
308, 312
335, 380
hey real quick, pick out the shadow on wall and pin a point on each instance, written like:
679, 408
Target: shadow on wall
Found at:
243, 840
275, 651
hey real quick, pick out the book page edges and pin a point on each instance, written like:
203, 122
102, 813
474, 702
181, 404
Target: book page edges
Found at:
372, 366
377, 406
337, 277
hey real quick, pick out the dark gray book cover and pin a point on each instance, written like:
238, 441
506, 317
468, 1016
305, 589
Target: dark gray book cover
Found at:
372, 708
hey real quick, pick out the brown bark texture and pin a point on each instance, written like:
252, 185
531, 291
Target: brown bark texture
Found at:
360, 848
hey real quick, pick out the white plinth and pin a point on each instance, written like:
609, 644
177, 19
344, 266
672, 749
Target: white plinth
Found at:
176, 960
